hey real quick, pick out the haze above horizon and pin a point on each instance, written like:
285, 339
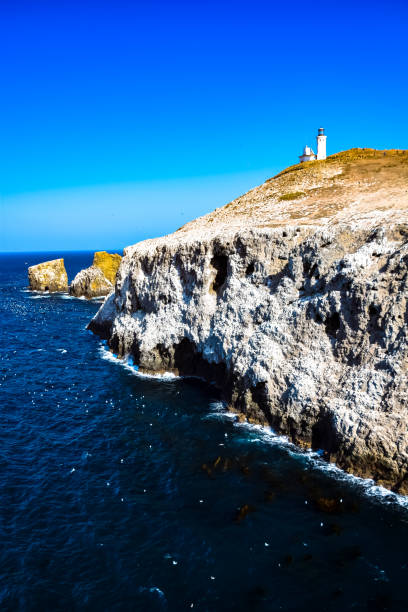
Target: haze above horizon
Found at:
124, 121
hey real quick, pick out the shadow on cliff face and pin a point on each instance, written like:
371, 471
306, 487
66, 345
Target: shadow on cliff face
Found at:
324, 435
220, 264
252, 402
332, 324
189, 362
273, 280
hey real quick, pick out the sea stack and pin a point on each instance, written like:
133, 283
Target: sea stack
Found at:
98, 280
293, 299
48, 276
108, 263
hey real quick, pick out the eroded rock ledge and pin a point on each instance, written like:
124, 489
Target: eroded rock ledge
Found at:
302, 325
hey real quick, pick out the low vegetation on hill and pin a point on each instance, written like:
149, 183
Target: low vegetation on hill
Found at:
349, 183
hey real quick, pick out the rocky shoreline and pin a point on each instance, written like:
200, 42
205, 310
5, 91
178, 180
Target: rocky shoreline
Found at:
295, 307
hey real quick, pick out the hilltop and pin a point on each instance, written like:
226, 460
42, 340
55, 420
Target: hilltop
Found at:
345, 186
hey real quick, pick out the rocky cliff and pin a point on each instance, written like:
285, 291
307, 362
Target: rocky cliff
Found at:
293, 300
98, 279
48, 276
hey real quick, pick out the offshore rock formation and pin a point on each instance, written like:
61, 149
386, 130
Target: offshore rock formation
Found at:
108, 263
90, 283
293, 299
48, 276
98, 279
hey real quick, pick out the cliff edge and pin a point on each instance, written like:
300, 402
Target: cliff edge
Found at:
293, 300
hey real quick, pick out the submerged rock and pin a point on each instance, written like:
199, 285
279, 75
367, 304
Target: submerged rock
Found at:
48, 276
296, 309
97, 280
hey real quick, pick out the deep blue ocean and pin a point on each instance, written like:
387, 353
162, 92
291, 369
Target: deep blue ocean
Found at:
122, 492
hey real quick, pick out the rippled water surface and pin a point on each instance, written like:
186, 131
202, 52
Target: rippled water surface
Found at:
121, 492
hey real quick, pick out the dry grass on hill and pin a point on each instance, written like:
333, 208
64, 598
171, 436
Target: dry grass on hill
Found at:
357, 186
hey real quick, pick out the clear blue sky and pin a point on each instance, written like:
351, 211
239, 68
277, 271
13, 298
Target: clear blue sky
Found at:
122, 120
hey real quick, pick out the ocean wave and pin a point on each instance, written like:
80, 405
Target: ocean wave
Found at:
95, 300
66, 296
36, 295
128, 364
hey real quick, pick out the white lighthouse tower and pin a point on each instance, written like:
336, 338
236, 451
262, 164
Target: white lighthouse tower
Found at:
321, 144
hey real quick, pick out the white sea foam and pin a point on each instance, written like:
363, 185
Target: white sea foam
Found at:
313, 458
219, 412
36, 295
128, 364
366, 485
67, 296
95, 300
219, 407
154, 590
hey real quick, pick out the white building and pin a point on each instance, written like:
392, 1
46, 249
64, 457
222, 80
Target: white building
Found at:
308, 153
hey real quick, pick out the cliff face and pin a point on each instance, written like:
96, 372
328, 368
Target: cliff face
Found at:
98, 279
293, 299
48, 276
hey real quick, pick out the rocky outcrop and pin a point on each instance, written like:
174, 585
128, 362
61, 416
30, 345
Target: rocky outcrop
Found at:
296, 307
108, 263
90, 283
48, 276
97, 280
